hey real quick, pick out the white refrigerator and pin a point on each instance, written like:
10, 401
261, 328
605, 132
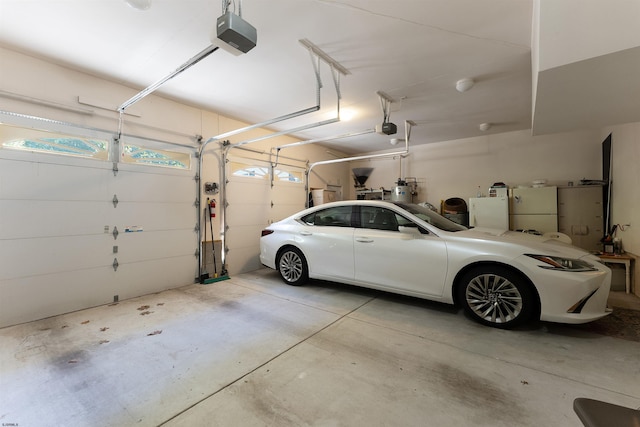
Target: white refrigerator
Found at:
534, 209
489, 212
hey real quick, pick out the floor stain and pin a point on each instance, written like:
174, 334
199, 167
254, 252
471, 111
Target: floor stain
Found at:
491, 400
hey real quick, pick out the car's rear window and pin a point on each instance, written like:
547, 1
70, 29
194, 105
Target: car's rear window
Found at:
338, 216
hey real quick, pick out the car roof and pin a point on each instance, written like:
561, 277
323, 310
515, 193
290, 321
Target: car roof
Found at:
357, 202
381, 203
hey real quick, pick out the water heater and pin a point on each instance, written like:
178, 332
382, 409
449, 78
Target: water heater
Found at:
401, 193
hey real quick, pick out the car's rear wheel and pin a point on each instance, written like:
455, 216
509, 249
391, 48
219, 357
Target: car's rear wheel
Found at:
496, 296
292, 266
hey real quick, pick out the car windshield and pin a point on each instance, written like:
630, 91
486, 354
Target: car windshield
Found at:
431, 217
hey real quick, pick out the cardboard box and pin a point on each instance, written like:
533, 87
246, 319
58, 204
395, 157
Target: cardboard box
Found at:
320, 196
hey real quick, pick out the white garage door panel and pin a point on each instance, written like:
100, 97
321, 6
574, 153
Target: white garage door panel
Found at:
155, 216
54, 255
47, 218
154, 187
248, 191
140, 278
247, 236
241, 261
253, 204
244, 248
288, 193
287, 200
24, 180
279, 212
246, 214
144, 246
37, 297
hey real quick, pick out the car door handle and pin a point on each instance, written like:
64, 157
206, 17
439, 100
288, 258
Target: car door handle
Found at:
364, 239
306, 233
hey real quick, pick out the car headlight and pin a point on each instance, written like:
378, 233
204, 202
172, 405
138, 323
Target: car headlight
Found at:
563, 264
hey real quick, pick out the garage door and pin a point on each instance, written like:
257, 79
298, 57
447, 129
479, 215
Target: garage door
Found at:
76, 234
253, 204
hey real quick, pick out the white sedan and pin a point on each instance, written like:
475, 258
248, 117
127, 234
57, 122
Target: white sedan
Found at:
502, 278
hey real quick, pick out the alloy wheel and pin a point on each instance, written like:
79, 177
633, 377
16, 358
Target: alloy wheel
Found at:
494, 298
291, 266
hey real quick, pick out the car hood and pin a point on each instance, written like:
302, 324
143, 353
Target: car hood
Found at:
527, 241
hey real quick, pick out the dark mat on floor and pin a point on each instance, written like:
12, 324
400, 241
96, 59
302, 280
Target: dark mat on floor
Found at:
622, 323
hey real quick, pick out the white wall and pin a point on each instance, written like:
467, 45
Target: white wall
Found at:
456, 168
574, 30
625, 187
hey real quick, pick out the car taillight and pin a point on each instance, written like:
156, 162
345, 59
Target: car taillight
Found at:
266, 232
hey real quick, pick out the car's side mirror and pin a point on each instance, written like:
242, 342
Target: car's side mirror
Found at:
409, 229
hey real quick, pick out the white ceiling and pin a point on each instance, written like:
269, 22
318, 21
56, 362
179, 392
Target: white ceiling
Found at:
412, 50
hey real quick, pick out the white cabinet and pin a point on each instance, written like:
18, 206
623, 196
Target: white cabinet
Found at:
534, 209
580, 215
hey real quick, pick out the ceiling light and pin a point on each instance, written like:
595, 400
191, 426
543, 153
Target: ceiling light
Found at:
139, 4
347, 114
464, 85
484, 127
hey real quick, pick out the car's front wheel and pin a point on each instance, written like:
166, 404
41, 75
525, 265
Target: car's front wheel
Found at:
496, 296
292, 266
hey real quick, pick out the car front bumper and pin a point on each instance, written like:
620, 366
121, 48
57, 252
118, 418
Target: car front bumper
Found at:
571, 297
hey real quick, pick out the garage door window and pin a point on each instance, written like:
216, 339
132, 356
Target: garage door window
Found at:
152, 157
262, 172
17, 138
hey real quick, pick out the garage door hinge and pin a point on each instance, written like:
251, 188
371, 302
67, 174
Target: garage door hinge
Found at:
115, 169
197, 254
196, 203
197, 177
115, 233
115, 264
196, 228
115, 201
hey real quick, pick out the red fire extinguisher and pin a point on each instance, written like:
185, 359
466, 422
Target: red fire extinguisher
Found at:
212, 208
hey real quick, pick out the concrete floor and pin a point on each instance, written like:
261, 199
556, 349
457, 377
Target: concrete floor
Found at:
251, 351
